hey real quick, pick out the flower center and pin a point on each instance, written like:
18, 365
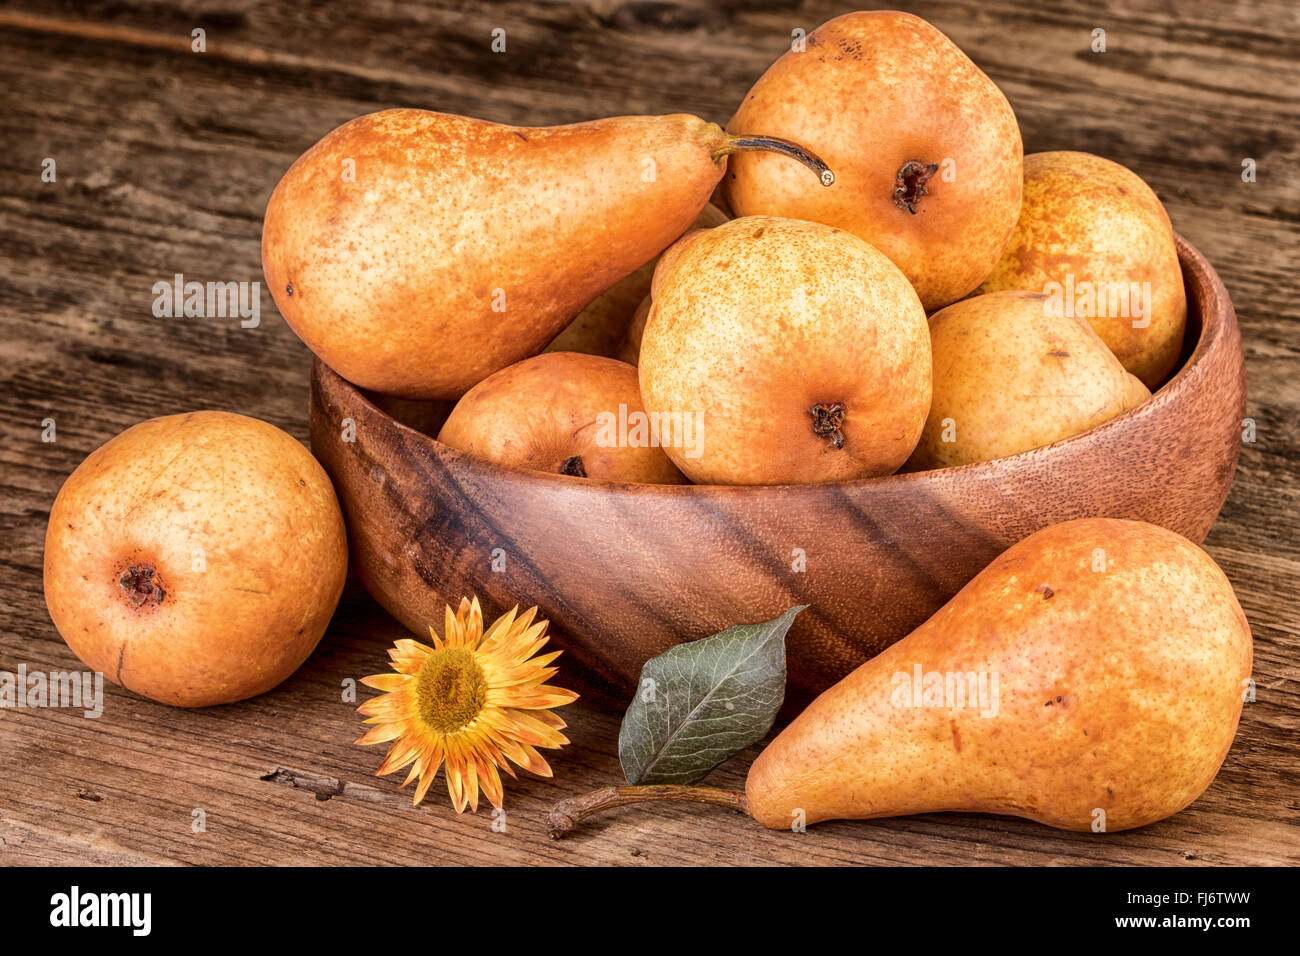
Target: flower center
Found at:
450, 690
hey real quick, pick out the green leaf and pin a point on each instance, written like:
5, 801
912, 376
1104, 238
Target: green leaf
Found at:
699, 703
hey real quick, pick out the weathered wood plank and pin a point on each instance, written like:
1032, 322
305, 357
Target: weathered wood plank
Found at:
165, 159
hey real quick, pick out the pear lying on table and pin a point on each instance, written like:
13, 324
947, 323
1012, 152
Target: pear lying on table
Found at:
1090, 678
416, 253
1113, 658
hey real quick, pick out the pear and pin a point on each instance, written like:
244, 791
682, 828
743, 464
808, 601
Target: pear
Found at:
629, 349
802, 351
600, 328
1135, 392
1113, 659
1011, 374
926, 150
418, 252
196, 559
1096, 237
566, 413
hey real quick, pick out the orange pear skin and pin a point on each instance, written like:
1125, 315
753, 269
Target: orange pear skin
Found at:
552, 413
195, 559
600, 328
1091, 227
802, 351
1113, 657
925, 148
418, 252
1009, 375
629, 349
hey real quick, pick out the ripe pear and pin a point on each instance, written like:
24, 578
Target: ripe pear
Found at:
1112, 657
1135, 392
629, 349
196, 559
418, 252
566, 413
599, 329
802, 350
1092, 233
926, 149
1010, 375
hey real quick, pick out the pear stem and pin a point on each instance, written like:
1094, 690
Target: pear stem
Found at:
568, 813
774, 144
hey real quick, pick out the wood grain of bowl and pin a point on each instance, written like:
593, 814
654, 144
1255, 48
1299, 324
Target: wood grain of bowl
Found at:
624, 572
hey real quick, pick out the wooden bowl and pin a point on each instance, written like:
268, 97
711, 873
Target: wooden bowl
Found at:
624, 572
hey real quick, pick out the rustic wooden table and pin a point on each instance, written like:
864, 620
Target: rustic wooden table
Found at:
164, 160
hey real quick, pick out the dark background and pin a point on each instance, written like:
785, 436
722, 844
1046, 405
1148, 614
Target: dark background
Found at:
165, 159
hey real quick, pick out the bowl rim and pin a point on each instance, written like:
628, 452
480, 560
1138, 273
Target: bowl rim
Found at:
1214, 325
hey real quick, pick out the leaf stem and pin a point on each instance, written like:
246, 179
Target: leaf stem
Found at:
568, 813
774, 144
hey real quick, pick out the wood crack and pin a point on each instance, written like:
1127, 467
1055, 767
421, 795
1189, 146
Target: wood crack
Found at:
325, 787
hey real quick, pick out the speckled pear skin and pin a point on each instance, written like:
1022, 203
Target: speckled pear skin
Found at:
1119, 692
1010, 375
544, 412
872, 92
757, 321
195, 559
1091, 219
462, 246
603, 324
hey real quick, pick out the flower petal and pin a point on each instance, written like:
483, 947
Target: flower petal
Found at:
385, 682
381, 734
